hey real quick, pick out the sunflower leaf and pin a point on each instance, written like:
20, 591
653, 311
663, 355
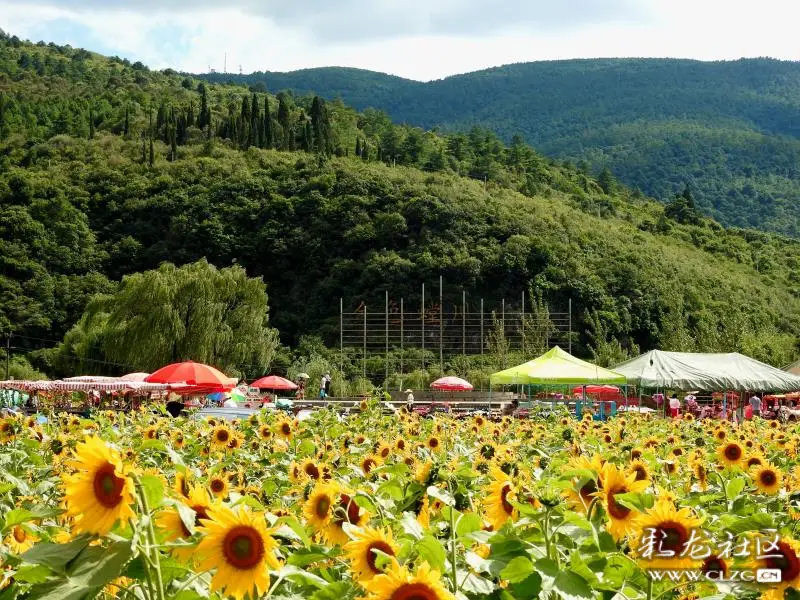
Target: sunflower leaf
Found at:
756, 522
442, 495
341, 590
431, 550
56, 556
572, 586
153, 489
518, 569
15, 517
635, 500
411, 526
735, 487
32, 574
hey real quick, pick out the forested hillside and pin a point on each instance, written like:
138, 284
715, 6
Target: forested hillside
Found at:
730, 130
108, 168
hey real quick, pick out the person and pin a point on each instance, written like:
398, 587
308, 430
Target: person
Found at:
327, 384
301, 389
409, 400
755, 402
322, 386
674, 406
230, 403
691, 404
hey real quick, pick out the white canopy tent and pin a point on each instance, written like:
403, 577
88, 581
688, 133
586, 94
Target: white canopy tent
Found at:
696, 371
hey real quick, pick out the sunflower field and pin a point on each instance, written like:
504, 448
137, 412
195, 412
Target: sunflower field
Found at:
143, 506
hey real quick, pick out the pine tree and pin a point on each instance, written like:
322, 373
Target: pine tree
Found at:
269, 140
126, 128
161, 119
365, 150
152, 152
358, 146
144, 149
91, 123
190, 115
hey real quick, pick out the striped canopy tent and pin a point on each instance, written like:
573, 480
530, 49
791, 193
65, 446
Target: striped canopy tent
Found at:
556, 367
64, 385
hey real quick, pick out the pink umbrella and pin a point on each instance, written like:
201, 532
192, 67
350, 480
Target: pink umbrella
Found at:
451, 384
135, 377
274, 382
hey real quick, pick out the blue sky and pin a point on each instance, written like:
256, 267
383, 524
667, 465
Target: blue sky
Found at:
420, 39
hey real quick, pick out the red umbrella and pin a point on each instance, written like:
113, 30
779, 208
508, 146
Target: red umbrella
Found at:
451, 384
273, 382
194, 375
602, 392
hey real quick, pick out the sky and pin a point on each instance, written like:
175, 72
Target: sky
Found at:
417, 39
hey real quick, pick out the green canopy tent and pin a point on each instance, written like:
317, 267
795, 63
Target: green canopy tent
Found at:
556, 367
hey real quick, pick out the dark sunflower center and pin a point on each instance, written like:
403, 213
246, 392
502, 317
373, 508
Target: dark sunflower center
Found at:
368, 465
507, 506
414, 591
385, 452
350, 510
286, 429
641, 473
673, 536
589, 488
787, 562
372, 557
433, 443
768, 478
636, 454
615, 509
243, 547
733, 452
57, 447
714, 564
107, 486
200, 513
312, 471
223, 436
217, 485
753, 461
323, 506
20, 535
401, 444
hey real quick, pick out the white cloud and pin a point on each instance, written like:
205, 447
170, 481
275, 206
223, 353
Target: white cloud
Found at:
192, 38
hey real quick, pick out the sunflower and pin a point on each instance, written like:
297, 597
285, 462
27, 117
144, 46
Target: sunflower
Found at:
636, 453
218, 484
499, 495
701, 474
221, 436
21, 539
613, 482
368, 463
383, 451
170, 523
151, 433
284, 429
319, 506
785, 556
640, 469
181, 485
360, 553
100, 493
768, 479
264, 432
178, 440
433, 443
715, 564
241, 549
345, 510
664, 530
754, 460
730, 454
581, 499
315, 471
399, 584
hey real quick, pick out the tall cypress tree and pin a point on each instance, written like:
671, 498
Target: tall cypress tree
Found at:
269, 140
202, 120
190, 115
144, 149
307, 139
358, 146
285, 120
244, 124
91, 123
255, 122
152, 152
2, 115
321, 126
126, 128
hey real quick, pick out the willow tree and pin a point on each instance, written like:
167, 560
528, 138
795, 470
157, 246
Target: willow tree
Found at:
194, 312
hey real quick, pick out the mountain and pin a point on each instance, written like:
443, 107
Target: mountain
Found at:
730, 130
108, 168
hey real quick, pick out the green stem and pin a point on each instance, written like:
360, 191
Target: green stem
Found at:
146, 559
649, 588
152, 550
274, 586
547, 532
453, 543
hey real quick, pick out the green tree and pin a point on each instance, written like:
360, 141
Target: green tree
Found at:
285, 116
195, 312
606, 181
269, 136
